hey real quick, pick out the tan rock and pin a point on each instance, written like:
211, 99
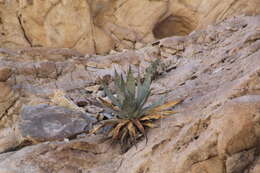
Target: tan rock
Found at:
69, 154
213, 165
103, 42
7, 98
59, 98
58, 23
11, 33
132, 15
197, 151
97, 26
237, 127
139, 45
9, 138
5, 73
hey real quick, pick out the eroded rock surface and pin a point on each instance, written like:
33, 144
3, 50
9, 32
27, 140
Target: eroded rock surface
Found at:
216, 129
97, 26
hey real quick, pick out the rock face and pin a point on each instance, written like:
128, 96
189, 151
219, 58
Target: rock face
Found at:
97, 26
216, 129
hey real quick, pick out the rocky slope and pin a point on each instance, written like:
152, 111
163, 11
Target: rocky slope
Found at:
216, 129
97, 26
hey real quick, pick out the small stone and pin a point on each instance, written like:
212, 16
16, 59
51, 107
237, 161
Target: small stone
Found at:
113, 52
94, 109
66, 140
93, 88
81, 103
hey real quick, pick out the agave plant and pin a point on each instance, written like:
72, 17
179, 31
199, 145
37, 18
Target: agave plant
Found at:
131, 113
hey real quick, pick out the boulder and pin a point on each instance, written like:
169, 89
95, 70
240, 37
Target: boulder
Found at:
45, 123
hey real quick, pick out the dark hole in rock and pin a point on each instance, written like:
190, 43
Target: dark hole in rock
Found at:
171, 68
196, 137
181, 84
173, 25
82, 103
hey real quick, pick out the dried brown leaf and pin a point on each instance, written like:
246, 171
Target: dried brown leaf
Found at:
149, 124
139, 125
107, 104
152, 117
166, 105
118, 127
131, 130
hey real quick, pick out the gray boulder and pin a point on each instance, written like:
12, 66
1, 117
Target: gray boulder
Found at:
44, 123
